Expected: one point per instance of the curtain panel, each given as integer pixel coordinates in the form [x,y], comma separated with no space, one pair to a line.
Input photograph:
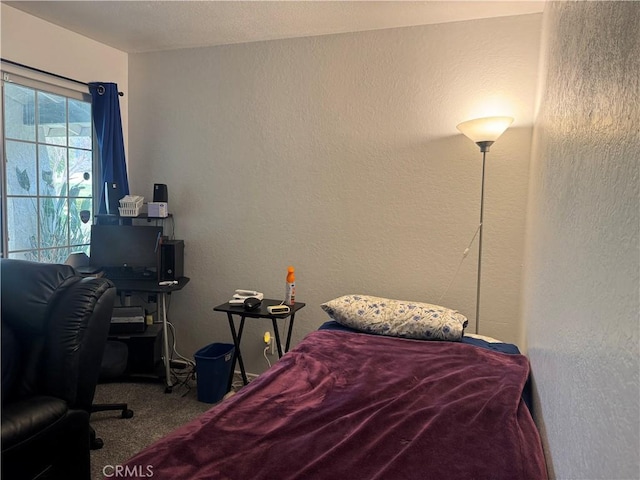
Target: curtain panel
[108,125]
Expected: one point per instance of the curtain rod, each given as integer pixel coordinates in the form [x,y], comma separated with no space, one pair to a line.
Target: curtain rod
[11,62]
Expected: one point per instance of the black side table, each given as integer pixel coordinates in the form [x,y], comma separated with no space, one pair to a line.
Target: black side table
[260,312]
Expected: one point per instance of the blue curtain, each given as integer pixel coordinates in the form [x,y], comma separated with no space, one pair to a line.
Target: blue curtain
[108,124]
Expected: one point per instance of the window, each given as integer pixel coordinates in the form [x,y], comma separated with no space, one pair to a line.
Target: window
[48,171]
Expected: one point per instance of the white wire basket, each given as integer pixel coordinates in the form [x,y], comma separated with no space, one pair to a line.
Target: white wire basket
[130,205]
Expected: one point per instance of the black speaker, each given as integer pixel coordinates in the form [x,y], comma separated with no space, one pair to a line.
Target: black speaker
[171,260]
[160,193]
[112,196]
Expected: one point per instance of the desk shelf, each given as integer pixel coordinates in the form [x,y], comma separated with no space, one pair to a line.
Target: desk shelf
[110,218]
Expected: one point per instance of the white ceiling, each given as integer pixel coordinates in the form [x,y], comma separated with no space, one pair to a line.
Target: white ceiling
[146,26]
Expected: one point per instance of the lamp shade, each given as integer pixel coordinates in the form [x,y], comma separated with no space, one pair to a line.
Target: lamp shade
[486,129]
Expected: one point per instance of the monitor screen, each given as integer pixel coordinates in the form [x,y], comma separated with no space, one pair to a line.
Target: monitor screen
[124,246]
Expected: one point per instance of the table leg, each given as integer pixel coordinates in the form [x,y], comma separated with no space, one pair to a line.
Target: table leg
[237,355]
[277,335]
[293,317]
[165,346]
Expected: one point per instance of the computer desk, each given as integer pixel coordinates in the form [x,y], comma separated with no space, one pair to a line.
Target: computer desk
[152,286]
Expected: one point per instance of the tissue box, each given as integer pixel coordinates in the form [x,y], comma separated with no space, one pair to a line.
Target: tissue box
[158,209]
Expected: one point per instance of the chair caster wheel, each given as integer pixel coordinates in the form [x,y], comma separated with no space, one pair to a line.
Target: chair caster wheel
[127,413]
[168,389]
[96,443]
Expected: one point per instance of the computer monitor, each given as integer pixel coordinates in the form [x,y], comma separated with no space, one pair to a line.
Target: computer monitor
[125,246]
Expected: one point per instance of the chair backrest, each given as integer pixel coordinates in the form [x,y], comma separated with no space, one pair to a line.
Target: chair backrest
[61,321]
[28,293]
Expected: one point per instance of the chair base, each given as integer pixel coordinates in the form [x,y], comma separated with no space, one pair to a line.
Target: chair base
[95,442]
[104,407]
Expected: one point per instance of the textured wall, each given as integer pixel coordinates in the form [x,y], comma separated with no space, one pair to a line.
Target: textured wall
[581,290]
[339,155]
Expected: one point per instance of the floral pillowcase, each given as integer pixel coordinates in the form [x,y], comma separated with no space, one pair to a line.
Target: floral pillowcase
[384,316]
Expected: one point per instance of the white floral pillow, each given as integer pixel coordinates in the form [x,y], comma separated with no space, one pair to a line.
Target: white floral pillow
[384,316]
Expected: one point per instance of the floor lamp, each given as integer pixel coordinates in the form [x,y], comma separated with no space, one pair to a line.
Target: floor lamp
[484,132]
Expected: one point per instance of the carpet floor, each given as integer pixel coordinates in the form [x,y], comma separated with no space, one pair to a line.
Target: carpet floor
[155,415]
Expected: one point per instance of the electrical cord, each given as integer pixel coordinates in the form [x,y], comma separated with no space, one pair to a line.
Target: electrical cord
[237,385]
[185,382]
[264,353]
[464,255]
[173,338]
[173,346]
[188,374]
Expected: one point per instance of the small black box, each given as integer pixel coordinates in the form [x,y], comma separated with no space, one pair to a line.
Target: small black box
[171,260]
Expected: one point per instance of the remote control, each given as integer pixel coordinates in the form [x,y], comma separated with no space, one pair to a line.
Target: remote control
[247,293]
[259,296]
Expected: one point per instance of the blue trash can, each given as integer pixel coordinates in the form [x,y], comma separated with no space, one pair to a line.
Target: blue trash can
[213,368]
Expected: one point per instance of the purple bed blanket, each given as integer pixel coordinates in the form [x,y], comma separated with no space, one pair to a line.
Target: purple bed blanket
[355,406]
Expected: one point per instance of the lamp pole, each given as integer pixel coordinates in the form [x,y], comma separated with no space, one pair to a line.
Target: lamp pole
[484,148]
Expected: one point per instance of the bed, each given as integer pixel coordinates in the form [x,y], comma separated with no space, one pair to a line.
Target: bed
[348,404]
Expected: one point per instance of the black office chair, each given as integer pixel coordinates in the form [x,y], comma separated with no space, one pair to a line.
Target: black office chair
[114,364]
[54,329]
[114,361]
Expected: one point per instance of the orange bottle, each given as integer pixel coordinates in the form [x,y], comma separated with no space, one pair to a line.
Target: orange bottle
[290,294]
